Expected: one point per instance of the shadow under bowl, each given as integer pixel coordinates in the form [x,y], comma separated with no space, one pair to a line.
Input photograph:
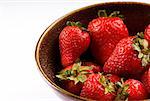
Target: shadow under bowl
[137,17]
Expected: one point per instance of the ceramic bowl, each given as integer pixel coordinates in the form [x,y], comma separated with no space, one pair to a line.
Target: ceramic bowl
[137,16]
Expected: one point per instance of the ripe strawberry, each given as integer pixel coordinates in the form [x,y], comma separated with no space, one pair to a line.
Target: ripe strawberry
[147,33]
[105,33]
[146,80]
[95,67]
[70,86]
[98,87]
[130,56]
[133,90]
[113,78]
[73,41]
[74,76]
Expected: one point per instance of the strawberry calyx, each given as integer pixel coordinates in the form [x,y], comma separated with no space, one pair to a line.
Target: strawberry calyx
[103,13]
[109,86]
[141,46]
[77,73]
[122,94]
[78,24]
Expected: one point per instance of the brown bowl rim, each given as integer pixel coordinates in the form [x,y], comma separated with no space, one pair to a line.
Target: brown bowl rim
[56,87]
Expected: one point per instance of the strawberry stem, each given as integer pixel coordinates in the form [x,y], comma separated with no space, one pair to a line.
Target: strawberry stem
[103,13]
[78,24]
[77,73]
[122,94]
[109,86]
[71,23]
[114,13]
[141,46]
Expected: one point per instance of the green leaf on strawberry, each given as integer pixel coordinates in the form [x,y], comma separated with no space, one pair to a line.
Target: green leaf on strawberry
[82,78]
[77,73]
[141,46]
[122,93]
[78,24]
[109,86]
[103,13]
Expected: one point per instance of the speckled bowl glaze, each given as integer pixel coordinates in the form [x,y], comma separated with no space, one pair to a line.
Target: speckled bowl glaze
[137,17]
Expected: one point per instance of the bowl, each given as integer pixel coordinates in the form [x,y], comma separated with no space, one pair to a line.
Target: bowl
[137,17]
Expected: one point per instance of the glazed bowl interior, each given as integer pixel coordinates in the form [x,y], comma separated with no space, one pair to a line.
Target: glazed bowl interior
[137,17]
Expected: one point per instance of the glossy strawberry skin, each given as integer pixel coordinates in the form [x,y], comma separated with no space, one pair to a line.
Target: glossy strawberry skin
[92,89]
[124,59]
[72,87]
[105,33]
[95,67]
[72,43]
[146,80]
[147,33]
[136,90]
[113,78]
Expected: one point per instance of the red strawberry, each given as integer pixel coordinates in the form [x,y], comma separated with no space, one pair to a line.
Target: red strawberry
[147,33]
[98,87]
[133,90]
[130,56]
[72,43]
[70,86]
[105,33]
[113,78]
[146,80]
[73,77]
[95,67]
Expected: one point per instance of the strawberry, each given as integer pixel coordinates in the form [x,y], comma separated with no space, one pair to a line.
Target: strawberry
[95,67]
[73,41]
[70,86]
[113,78]
[147,33]
[146,80]
[132,90]
[74,76]
[98,87]
[106,32]
[130,57]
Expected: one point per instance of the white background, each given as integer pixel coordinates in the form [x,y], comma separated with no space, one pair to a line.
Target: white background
[21,24]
